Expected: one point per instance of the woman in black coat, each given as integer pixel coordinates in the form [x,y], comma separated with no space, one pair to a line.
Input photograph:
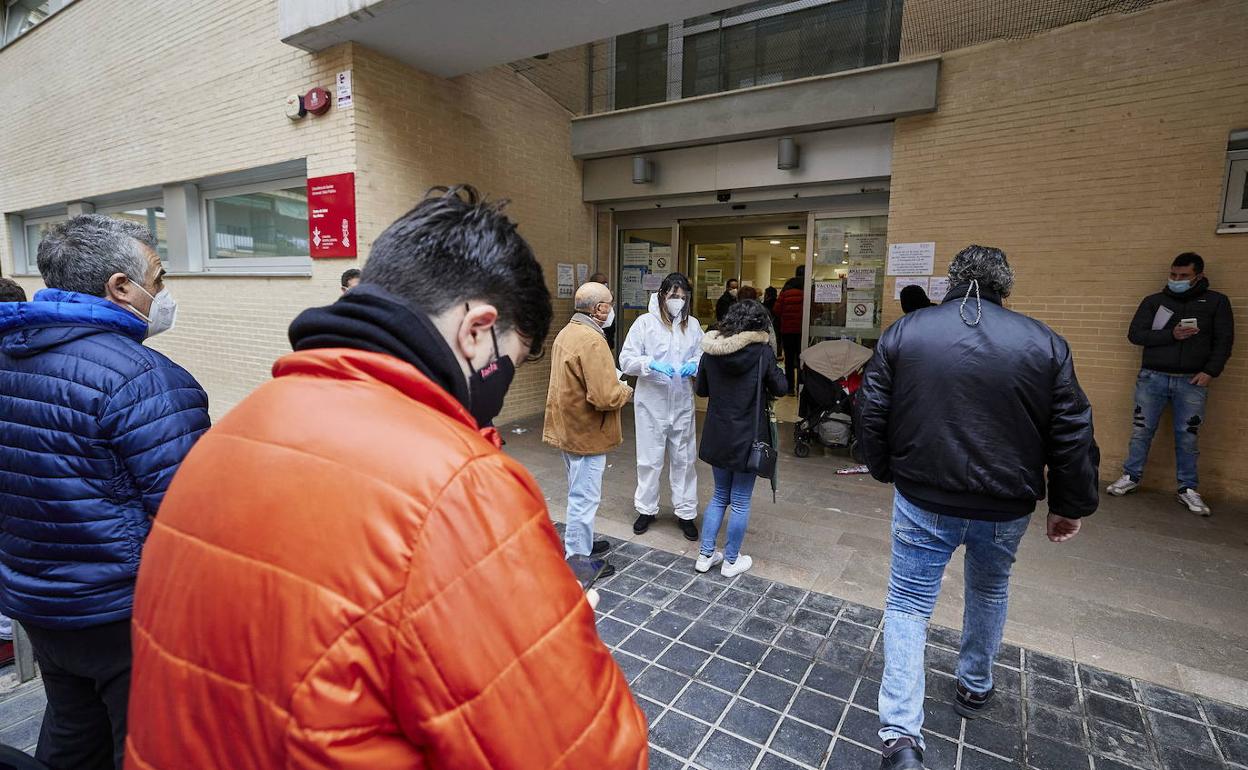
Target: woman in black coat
[734,359]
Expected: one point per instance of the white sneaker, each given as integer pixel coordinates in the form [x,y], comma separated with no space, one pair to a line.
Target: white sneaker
[742,563]
[1122,486]
[706,562]
[1191,498]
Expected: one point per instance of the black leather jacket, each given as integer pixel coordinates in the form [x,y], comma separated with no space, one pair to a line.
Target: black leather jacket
[965,418]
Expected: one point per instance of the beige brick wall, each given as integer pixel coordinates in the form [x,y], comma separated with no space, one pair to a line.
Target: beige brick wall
[111,95]
[1093,154]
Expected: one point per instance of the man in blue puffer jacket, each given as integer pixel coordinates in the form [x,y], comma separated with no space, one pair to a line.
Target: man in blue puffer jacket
[93,425]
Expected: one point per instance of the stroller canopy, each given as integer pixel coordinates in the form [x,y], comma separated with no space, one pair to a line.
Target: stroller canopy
[835,359]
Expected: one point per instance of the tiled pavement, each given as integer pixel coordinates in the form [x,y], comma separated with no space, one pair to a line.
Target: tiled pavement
[747,673]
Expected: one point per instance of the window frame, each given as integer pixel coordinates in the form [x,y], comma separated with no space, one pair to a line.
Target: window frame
[25,263]
[145,203]
[1233,217]
[300,265]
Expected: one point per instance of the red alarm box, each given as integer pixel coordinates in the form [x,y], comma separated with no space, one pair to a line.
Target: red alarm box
[316,101]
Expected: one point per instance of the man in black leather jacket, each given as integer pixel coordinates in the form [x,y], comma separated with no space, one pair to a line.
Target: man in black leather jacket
[962,407]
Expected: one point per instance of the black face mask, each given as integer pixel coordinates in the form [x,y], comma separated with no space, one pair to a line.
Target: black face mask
[487,387]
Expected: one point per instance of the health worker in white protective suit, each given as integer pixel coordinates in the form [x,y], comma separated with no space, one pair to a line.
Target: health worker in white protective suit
[662,351]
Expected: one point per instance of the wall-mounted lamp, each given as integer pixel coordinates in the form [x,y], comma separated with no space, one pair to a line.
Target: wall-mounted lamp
[643,170]
[788,155]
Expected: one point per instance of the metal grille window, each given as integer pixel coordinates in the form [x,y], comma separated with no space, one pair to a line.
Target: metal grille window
[641,67]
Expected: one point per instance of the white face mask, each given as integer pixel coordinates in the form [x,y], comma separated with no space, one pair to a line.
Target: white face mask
[161,315]
[610,318]
[675,306]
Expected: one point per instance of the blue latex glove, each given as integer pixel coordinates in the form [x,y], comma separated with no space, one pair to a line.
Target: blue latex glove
[689,370]
[662,367]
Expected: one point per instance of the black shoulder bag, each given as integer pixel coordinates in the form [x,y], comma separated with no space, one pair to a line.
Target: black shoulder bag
[762,460]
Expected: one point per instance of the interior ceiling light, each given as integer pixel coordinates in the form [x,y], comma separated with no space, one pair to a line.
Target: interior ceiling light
[775,243]
[794,248]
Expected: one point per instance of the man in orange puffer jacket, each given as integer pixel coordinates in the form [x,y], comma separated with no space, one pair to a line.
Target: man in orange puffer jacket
[348,573]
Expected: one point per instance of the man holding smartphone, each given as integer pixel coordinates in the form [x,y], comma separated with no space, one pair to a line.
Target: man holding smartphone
[1186,331]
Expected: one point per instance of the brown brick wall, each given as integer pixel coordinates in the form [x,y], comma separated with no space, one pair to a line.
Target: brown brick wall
[1093,154]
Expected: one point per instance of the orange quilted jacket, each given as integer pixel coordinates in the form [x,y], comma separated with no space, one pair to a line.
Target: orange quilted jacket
[345,573]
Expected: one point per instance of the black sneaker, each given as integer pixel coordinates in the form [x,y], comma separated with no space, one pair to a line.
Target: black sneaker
[902,754]
[642,524]
[600,547]
[689,528]
[607,571]
[971,704]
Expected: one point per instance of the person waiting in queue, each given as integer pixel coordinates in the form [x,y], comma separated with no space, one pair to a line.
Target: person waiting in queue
[662,351]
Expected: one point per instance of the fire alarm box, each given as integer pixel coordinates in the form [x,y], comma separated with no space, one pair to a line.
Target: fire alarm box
[316,101]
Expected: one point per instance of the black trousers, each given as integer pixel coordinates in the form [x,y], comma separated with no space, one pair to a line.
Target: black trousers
[792,344]
[86,675]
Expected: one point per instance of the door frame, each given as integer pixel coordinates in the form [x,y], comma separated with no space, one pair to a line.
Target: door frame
[808,284]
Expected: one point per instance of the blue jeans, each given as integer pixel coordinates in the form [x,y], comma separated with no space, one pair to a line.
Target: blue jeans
[923,542]
[1153,391]
[584,495]
[735,489]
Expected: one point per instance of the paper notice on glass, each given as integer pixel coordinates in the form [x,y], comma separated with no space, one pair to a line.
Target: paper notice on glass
[861,315]
[1163,316]
[632,295]
[831,246]
[713,290]
[828,291]
[652,281]
[861,278]
[904,282]
[661,259]
[865,247]
[714,275]
[582,274]
[911,258]
[937,288]
[635,255]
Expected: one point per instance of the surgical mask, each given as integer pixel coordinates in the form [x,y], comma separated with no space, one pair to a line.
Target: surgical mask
[732,292]
[610,318]
[1178,287]
[487,387]
[675,306]
[161,315]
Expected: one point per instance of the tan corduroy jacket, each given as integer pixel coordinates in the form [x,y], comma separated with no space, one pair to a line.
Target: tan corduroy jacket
[584,400]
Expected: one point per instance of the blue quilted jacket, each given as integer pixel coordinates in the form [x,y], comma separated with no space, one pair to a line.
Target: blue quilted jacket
[93,426]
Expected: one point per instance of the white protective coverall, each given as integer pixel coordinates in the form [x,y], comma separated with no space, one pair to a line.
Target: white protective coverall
[663,407]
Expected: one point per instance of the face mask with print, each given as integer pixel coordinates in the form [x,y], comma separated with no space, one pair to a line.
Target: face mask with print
[487,387]
[161,315]
[675,306]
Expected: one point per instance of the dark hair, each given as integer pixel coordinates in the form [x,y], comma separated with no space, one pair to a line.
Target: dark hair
[913,297]
[747,315]
[770,293]
[599,278]
[747,292]
[11,291]
[730,281]
[985,264]
[348,274]
[1190,258]
[675,281]
[454,247]
[800,272]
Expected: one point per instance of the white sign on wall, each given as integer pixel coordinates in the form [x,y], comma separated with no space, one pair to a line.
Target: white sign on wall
[582,274]
[828,292]
[564,275]
[937,288]
[902,283]
[343,87]
[911,258]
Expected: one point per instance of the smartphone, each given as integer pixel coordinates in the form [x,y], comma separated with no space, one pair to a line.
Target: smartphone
[1188,323]
[587,569]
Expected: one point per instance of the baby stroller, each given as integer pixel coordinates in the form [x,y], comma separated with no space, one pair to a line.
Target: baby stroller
[831,375]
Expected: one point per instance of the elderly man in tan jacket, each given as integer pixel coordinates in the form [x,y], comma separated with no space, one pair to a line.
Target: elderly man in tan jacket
[583,407]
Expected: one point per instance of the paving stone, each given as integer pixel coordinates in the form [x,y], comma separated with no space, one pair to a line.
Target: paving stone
[625,584]
[867,616]
[938,717]
[845,657]
[801,742]
[688,606]
[678,734]
[703,589]
[23,733]
[945,637]
[761,629]
[608,600]
[645,644]
[1174,758]
[635,550]
[831,681]
[1044,754]
[723,752]
[1061,726]
[847,756]
[945,661]
[1119,712]
[743,649]
[861,726]
[1173,731]
[874,669]
[829,605]
[1226,716]
[723,617]
[773,609]
[612,631]
[788,594]
[668,624]
[683,659]
[704,636]
[633,611]
[1234,746]
[1122,745]
[853,633]
[975,760]
[1163,698]
[738,600]
[753,584]
[643,571]
[1010,655]
[769,691]
[652,594]
[1050,666]
[785,664]
[659,684]
[1006,679]
[812,622]
[777,762]
[750,721]
[1106,682]
[1105,763]
[705,703]
[629,664]
[651,709]
[674,579]
[660,557]
[801,642]
[724,674]
[819,710]
[995,737]
[662,761]
[1055,695]
[940,754]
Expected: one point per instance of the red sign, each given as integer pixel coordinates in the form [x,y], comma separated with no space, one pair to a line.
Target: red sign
[331,215]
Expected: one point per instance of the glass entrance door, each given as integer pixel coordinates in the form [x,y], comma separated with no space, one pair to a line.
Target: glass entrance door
[713,264]
[846,280]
